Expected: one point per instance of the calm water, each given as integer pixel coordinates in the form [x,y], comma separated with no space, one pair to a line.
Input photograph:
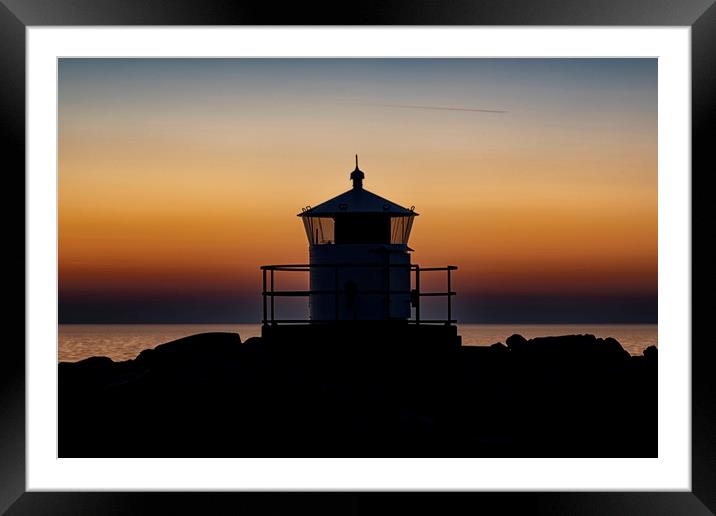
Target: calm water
[125,341]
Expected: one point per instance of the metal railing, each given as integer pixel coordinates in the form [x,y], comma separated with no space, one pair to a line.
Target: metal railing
[269,292]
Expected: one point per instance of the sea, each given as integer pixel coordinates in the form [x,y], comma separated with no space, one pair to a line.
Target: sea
[125,341]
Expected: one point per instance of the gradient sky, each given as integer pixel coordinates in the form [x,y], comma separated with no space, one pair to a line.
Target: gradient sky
[179,177]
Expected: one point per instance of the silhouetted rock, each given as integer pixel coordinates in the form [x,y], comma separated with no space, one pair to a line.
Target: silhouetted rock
[211,395]
[572,347]
[516,342]
[651,353]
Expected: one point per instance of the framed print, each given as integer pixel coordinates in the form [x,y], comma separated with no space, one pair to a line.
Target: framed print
[473,302]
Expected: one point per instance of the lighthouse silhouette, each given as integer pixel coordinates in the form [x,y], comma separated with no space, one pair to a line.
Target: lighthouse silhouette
[365,237]
[360,272]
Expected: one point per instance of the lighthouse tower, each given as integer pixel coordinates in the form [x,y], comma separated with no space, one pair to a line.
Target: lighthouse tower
[362,284]
[359,257]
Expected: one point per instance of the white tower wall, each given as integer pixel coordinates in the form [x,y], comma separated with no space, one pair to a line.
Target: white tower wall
[357,303]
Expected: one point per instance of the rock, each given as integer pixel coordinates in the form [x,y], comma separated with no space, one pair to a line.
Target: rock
[612,346]
[91,363]
[209,395]
[569,348]
[516,342]
[651,354]
[89,370]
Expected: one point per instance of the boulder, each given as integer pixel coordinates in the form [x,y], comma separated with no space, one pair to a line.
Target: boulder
[516,342]
[651,354]
[499,347]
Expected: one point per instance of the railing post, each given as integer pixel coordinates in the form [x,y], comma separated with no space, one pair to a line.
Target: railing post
[387,286]
[272,299]
[335,288]
[263,295]
[449,296]
[417,296]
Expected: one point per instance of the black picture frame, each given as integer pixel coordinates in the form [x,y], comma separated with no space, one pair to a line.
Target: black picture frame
[17,15]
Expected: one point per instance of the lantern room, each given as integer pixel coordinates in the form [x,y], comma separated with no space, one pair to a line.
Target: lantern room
[358,217]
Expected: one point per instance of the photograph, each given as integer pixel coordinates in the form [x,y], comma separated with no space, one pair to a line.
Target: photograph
[357,257]
[406,256]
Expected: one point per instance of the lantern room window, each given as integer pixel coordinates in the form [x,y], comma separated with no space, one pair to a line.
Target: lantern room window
[400,229]
[358,228]
[320,230]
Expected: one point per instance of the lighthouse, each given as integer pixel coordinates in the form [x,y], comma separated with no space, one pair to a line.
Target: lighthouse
[360,275]
[358,244]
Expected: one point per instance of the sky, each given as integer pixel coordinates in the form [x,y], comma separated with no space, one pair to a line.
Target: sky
[178,178]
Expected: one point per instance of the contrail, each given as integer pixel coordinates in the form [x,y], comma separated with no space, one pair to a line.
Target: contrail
[441,108]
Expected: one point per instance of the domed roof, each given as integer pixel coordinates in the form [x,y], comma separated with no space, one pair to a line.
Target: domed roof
[357,200]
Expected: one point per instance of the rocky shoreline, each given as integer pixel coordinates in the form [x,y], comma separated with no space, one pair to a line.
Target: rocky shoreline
[212,395]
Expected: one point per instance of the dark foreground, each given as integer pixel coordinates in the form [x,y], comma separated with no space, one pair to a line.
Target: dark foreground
[210,395]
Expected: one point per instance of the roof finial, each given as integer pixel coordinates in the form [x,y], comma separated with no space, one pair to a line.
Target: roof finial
[357,176]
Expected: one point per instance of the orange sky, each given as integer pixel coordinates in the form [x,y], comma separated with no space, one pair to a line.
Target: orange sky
[178,178]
